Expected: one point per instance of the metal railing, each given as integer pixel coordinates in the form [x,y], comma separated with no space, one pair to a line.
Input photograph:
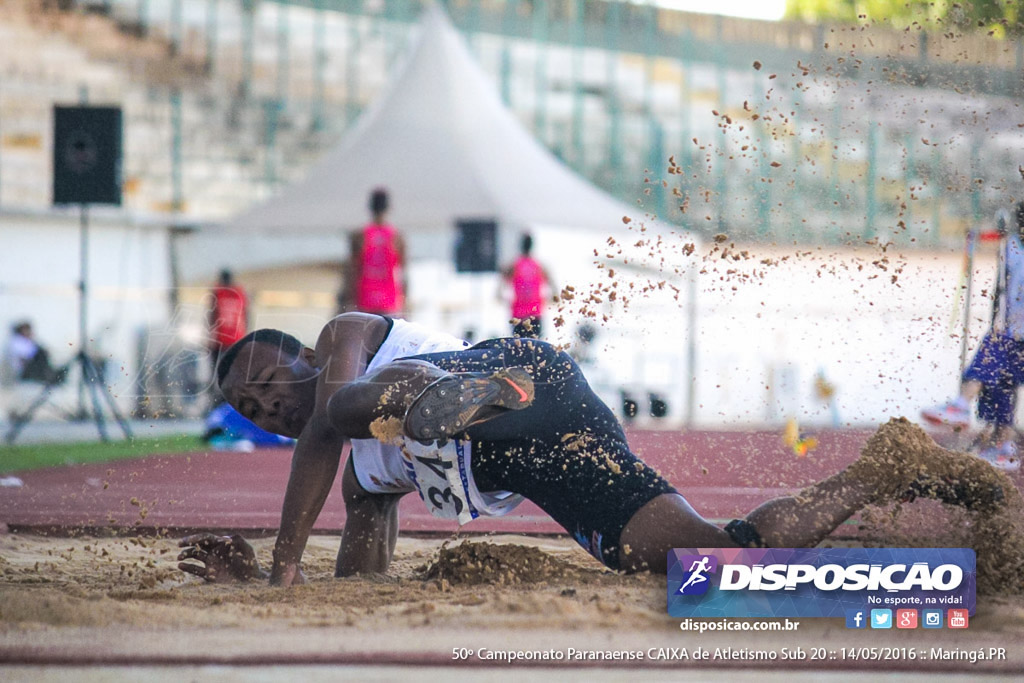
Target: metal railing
[821,153]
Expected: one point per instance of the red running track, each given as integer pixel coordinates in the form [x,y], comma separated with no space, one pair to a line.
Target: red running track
[723,474]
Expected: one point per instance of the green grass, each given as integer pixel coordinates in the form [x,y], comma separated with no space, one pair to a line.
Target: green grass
[34,456]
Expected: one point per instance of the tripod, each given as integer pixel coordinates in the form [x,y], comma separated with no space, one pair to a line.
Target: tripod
[91,381]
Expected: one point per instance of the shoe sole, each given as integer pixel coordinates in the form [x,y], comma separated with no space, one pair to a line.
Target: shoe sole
[456,402]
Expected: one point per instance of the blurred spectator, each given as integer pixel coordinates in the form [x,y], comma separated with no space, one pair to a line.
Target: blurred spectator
[528,280]
[378,263]
[25,360]
[998,366]
[228,316]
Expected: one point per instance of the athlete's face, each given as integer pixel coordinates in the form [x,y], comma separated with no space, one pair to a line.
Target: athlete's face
[274,389]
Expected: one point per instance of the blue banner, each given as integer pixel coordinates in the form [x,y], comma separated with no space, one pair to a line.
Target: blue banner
[818,582]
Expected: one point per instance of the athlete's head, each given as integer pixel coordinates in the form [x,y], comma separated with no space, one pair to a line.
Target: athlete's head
[269,377]
[379,201]
[526,244]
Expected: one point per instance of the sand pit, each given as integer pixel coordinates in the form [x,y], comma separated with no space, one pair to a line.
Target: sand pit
[134,582]
[120,600]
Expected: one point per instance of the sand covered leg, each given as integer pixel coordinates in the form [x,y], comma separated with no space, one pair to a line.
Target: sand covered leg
[901,460]
[898,462]
[993,511]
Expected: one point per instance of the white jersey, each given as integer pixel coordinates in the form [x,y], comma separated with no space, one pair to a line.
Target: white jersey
[442,476]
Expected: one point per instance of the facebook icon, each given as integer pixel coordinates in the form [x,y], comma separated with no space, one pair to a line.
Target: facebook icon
[855,618]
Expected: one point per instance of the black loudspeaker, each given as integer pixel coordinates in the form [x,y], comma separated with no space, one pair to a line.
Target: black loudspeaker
[86,155]
[659,406]
[476,246]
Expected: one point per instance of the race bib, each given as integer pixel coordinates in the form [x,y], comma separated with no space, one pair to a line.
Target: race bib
[435,471]
[445,484]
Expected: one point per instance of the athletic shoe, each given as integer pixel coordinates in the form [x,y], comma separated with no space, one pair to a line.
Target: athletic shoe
[458,401]
[952,414]
[1003,457]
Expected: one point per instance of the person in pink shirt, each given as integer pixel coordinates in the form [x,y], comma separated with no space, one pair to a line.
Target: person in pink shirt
[529,281]
[228,314]
[378,262]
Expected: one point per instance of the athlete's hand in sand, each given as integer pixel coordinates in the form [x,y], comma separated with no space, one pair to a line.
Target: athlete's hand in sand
[225,558]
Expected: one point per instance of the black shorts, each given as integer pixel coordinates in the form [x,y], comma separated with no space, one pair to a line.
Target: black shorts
[566,452]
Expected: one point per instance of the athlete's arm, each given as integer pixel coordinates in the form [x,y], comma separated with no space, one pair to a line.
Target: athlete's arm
[371,528]
[341,353]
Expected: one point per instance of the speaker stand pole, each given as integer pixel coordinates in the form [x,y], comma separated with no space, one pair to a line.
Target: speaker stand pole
[91,380]
[83,299]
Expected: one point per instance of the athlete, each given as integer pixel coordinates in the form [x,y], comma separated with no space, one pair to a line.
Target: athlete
[528,280]
[378,262]
[228,314]
[997,370]
[474,430]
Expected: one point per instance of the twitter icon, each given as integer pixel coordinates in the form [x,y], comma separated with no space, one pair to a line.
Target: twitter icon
[881,618]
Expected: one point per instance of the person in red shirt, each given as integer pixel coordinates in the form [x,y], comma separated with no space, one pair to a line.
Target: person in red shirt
[378,263]
[528,280]
[228,316]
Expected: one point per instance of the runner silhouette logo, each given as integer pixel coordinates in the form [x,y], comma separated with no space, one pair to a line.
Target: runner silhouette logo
[698,573]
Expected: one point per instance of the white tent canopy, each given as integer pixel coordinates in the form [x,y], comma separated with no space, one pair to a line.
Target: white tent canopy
[444,145]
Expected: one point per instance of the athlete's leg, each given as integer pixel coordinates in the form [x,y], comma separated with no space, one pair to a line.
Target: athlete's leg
[988,374]
[796,521]
[998,403]
[804,520]
[897,458]
[666,522]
